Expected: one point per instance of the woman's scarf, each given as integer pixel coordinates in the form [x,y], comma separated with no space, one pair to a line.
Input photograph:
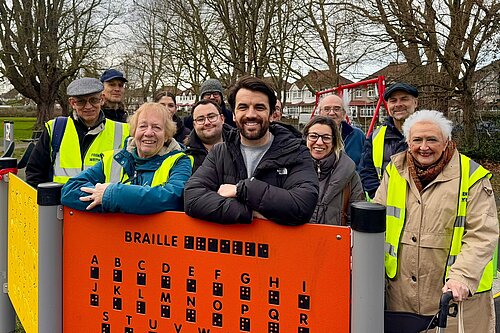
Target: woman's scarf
[423,175]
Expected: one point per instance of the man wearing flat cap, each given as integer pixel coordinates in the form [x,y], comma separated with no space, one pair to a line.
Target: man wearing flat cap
[388,139]
[113,95]
[69,145]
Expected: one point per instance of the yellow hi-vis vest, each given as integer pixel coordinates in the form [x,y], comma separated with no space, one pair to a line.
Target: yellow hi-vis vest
[470,173]
[378,139]
[114,173]
[68,161]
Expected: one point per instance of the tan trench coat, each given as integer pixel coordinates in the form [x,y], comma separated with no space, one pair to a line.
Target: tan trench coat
[425,244]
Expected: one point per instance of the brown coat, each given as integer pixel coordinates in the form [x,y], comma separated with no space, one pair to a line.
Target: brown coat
[426,239]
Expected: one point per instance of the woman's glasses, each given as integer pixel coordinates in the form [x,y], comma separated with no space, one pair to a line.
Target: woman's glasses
[313,137]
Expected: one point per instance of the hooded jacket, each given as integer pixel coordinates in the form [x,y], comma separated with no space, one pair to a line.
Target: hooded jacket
[135,196]
[283,188]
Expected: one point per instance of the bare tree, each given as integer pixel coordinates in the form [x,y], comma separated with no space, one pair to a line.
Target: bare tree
[333,40]
[45,42]
[147,64]
[285,42]
[233,36]
[443,42]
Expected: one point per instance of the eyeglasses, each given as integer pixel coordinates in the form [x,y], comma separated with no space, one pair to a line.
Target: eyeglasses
[210,94]
[328,109]
[211,117]
[81,102]
[313,137]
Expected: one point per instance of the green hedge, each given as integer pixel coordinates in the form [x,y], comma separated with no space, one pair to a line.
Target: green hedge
[488,140]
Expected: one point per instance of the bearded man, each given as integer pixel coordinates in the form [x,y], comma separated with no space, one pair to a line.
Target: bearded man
[209,129]
[261,170]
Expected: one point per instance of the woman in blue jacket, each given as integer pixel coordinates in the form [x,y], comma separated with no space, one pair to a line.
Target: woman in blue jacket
[145,177]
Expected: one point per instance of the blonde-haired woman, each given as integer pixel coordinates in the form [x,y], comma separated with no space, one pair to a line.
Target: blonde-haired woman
[339,184]
[145,177]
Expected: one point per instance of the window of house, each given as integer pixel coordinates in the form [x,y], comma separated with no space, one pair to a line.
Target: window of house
[358,93]
[353,111]
[293,110]
[371,91]
[296,94]
[307,109]
[367,111]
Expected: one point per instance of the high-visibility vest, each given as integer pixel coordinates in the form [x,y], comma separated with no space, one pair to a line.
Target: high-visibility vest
[114,173]
[470,173]
[378,141]
[68,161]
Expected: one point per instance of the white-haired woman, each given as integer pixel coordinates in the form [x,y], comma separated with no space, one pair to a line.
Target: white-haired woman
[146,177]
[339,183]
[442,226]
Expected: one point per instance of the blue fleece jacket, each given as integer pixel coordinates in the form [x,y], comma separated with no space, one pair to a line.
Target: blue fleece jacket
[136,196]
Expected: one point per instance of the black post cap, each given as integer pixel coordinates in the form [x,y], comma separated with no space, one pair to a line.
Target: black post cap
[49,194]
[367,217]
[8,163]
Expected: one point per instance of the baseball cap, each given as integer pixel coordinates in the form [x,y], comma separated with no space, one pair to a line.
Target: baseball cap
[110,74]
[84,86]
[400,86]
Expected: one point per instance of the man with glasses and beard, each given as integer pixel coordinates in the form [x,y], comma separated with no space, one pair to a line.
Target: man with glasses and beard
[209,129]
[261,170]
[69,145]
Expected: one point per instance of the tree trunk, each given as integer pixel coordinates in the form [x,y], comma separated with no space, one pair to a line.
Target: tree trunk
[470,138]
[45,112]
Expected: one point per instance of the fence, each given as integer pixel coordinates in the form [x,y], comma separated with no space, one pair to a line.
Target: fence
[172,273]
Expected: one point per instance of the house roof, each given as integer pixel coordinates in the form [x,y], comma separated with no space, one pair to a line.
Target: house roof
[269,80]
[188,91]
[11,94]
[491,68]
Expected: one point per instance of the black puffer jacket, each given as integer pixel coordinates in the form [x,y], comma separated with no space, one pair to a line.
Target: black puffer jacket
[394,142]
[283,188]
[196,149]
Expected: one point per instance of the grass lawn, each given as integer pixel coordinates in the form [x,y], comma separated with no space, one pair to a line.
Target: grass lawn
[23,127]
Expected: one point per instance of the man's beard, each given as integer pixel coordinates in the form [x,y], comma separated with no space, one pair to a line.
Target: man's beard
[254,135]
[211,138]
